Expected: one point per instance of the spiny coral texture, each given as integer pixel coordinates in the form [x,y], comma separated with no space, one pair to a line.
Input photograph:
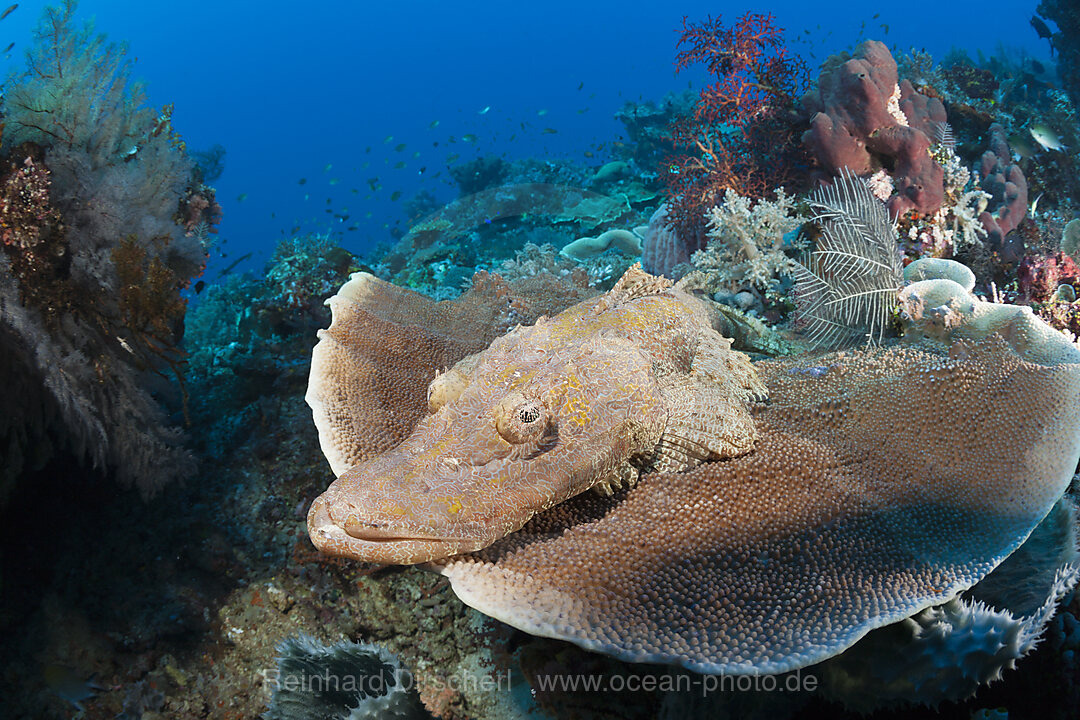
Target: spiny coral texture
[636,378]
[883,482]
[747,242]
[346,680]
[846,288]
[863,119]
[90,310]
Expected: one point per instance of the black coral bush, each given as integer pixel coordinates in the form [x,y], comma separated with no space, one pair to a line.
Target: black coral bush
[91,314]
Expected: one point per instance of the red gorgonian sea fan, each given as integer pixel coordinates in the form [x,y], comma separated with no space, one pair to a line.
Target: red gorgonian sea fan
[744,133]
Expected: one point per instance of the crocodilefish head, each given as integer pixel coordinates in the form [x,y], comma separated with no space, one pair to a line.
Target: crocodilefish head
[511,432]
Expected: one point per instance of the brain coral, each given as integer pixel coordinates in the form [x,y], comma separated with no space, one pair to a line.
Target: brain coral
[883,482]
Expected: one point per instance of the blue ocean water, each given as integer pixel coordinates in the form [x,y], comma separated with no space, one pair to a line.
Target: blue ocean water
[323,93]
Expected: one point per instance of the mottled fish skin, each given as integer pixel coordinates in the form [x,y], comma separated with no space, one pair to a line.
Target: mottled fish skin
[636,378]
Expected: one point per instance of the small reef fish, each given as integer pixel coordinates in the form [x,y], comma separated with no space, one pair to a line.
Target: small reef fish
[541,113]
[399,164]
[327,168]
[334,181]
[9,48]
[549,131]
[241,197]
[233,264]
[469,138]
[434,124]
[62,681]
[1033,210]
[302,181]
[399,147]
[1041,28]
[1021,145]
[388,139]
[395,195]
[1046,137]
[11,9]
[484,111]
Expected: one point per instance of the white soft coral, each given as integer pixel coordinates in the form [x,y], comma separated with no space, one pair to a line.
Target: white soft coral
[747,242]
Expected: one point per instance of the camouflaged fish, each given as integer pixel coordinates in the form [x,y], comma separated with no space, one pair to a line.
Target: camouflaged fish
[635,379]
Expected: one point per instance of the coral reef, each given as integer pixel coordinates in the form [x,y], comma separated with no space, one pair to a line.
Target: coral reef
[244,336]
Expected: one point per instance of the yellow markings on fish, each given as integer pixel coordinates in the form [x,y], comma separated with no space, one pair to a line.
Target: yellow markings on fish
[454,506]
[578,411]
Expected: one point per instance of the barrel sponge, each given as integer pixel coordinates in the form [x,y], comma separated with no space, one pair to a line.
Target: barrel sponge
[855,511]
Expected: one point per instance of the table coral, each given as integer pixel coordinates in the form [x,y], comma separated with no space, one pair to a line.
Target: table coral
[837,527]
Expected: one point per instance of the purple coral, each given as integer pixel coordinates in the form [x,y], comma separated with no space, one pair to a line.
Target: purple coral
[1005,182]
[864,119]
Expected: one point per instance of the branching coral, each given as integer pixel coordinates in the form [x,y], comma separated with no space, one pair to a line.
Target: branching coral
[742,135]
[747,242]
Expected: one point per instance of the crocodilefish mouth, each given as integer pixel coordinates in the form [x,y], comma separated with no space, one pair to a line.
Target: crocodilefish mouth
[356,538]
